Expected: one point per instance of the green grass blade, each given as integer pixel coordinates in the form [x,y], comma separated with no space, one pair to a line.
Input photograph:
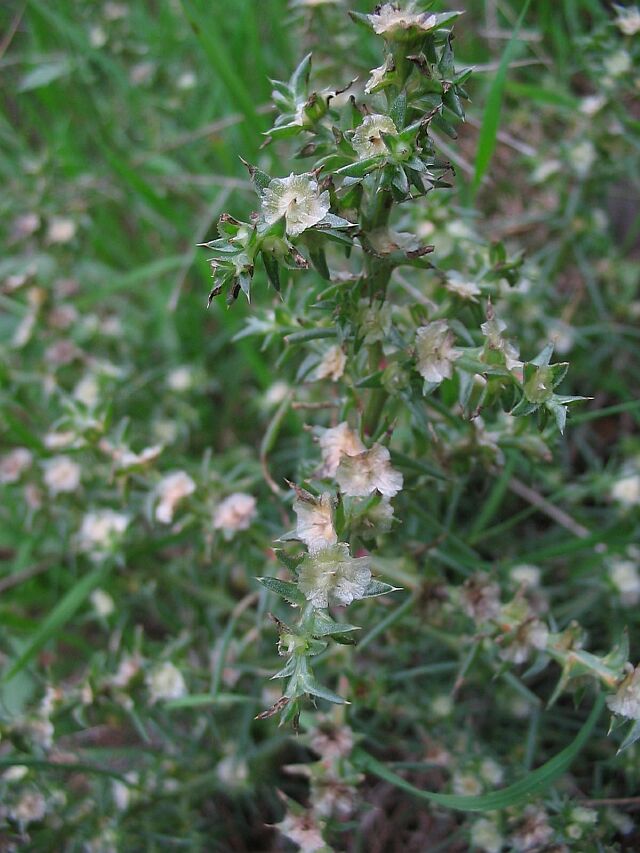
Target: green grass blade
[56,619]
[519,792]
[491,116]
[223,65]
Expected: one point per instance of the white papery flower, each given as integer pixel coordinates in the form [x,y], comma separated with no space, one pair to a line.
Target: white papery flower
[389,20]
[61,230]
[30,808]
[100,530]
[626,700]
[435,351]
[180,378]
[618,63]
[480,598]
[298,200]
[87,391]
[626,490]
[170,491]
[625,577]
[61,475]
[126,459]
[378,74]
[592,104]
[304,831]
[165,681]
[337,442]
[333,576]
[371,470]
[462,288]
[533,832]
[367,139]
[332,364]
[525,575]
[628,19]
[486,836]
[493,328]
[102,602]
[235,513]
[582,157]
[532,634]
[13,465]
[315,520]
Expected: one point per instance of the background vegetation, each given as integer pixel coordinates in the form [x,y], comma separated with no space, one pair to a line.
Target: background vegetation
[120,135]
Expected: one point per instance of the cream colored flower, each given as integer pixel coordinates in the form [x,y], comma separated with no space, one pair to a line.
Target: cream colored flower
[626,700]
[618,63]
[389,20]
[367,138]
[100,530]
[493,328]
[30,808]
[315,520]
[170,491]
[628,19]
[525,575]
[235,513]
[625,577]
[532,634]
[304,831]
[378,74]
[582,156]
[298,200]
[337,442]
[87,391]
[14,464]
[626,490]
[480,598]
[165,681]
[486,836]
[533,832]
[61,230]
[332,364]
[333,576]
[435,351]
[125,459]
[592,104]
[180,378]
[59,440]
[61,475]
[102,602]
[462,288]
[368,471]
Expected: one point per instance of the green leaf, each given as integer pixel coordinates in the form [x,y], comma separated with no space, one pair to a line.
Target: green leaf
[398,110]
[44,74]
[56,619]
[311,686]
[633,735]
[259,179]
[300,77]
[361,167]
[325,626]
[376,588]
[199,700]
[520,792]
[285,589]
[272,269]
[491,116]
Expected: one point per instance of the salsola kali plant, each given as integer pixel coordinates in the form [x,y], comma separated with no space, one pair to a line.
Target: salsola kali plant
[421,381]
